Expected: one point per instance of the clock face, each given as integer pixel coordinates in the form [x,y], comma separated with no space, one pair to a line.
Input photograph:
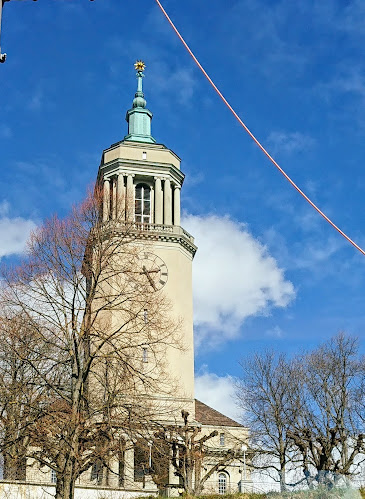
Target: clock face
[154,270]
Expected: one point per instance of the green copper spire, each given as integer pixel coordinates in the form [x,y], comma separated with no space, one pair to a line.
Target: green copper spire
[139,117]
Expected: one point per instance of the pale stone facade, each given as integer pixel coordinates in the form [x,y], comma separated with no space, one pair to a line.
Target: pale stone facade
[124,167]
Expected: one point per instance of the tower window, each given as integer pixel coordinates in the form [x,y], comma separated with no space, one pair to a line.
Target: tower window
[145,354]
[143,204]
[144,155]
[140,461]
[53,476]
[222,483]
[97,472]
[145,316]
[221,440]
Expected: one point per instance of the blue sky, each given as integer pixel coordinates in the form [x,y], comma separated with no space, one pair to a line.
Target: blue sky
[294,71]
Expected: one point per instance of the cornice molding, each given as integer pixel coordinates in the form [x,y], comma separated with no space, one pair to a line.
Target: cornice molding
[142,169]
[141,145]
[154,232]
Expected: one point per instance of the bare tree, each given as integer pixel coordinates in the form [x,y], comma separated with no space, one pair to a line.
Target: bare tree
[193,460]
[20,393]
[94,311]
[307,413]
[263,393]
[329,430]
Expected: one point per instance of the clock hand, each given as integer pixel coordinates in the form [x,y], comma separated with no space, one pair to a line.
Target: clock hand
[146,272]
[149,271]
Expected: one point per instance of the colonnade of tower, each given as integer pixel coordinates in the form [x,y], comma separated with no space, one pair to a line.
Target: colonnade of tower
[119,198]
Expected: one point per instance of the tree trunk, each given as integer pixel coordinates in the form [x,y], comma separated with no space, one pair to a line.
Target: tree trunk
[282,479]
[189,481]
[65,486]
[198,488]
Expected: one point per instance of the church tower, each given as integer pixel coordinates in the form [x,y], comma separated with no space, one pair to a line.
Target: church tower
[141,180]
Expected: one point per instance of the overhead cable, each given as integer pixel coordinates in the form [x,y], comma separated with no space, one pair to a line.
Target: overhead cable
[257,142]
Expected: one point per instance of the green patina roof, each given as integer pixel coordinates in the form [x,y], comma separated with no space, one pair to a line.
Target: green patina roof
[139,117]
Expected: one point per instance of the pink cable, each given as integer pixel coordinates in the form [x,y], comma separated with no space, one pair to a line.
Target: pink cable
[253,137]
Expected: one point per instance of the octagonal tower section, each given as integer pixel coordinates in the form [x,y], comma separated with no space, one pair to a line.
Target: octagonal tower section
[141,183]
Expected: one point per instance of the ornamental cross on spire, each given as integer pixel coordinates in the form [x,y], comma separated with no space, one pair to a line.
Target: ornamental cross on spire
[139,117]
[139,66]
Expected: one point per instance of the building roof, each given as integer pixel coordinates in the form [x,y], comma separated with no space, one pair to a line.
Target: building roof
[208,416]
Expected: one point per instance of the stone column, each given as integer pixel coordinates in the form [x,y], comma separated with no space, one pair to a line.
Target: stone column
[130,199]
[167,205]
[152,217]
[173,479]
[176,204]
[114,187]
[106,200]
[129,466]
[121,197]
[113,479]
[158,201]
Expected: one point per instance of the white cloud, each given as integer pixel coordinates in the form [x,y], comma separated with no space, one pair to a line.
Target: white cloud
[36,100]
[347,81]
[317,253]
[5,131]
[260,24]
[234,278]
[352,18]
[288,143]
[170,79]
[352,82]
[217,392]
[178,84]
[14,232]
[4,208]
[313,254]
[275,332]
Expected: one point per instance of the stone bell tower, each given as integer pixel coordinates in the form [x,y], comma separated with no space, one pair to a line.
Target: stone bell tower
[142,179]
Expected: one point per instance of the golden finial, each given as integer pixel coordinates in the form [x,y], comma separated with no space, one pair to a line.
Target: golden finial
[139,65]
